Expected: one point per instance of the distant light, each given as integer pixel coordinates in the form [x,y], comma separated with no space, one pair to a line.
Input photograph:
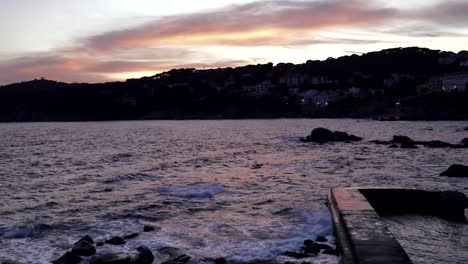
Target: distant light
[397,103]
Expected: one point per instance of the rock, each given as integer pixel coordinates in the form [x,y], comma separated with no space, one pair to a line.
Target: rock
[308,242]
[402,139]
[87,239]
[171,251]
[323,135]
[9,262]
[393,146]
[116,241]
[321,239]
[84,248]
[113,258]
[133,235]
[464,142]
[148,228]
[99,244]
[144,256]
[330,251]
[408,146]
[179,260]
[256,166]
[68,258]
[323,246]
[437,144]
[296,255]
[313,249]
[343,136]
[220,261]
[456,170]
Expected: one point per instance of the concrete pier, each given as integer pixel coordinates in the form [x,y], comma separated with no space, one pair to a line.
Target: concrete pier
[362,236]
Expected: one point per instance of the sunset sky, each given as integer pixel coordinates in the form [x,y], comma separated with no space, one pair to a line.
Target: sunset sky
[104,40]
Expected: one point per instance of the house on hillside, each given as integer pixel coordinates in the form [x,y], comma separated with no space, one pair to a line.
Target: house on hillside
[446,83]
[258,90]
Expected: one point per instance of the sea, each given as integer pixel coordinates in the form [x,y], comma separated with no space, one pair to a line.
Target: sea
[245,190]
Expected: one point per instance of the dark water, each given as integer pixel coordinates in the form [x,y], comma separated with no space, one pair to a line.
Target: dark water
[196,181]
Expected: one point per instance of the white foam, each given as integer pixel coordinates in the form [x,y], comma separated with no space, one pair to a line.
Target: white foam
[197,190]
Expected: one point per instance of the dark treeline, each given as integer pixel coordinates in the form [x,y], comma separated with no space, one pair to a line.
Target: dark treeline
[384,83]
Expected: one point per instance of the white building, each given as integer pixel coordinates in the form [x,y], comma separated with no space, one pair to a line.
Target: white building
[260,89]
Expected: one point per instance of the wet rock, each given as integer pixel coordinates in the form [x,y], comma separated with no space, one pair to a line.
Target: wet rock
[296,255]
[453,205]
[171,251]
[323,246]
[311,249]
[308,242]
[179,260]
[437,144]
[330,251]
[408,146]
[87,239]
[99,244]
[220,261]
[84,248]
[456,170]
[144,256]
[321,239]
[130,236]
[464,142]
[68,258]
[402,140]
[118,258]
[148,228]
[9,262]
[116,241]
[393,146]
[256,166]
[323,135]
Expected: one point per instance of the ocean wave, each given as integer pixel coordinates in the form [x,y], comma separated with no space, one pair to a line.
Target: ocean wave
[33,230]
[196,191]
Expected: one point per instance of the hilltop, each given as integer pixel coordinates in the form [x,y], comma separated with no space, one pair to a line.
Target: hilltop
[407,83]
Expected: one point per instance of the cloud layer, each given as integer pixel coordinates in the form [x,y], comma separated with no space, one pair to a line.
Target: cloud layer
[185,40]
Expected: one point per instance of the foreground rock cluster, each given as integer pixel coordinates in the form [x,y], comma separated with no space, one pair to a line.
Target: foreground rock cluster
[86,247]
[312,248]
[323,135]
[407,142]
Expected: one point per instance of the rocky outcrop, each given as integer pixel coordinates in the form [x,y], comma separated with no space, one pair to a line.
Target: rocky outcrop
[84,248]
[323,135]
[407,142]
[68,258]
[144,256]
[456,170]
[178,260]
[116,241]
[118,258]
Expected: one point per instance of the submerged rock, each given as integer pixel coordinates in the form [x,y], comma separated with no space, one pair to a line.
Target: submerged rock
[148,228]
[116,241]
[321,239]
[220,261]
[178,260]
[464,142]
[171,251]
[87,239]
[330,251]
[296,255]
[323,135]
[84,248]
[144,256]
[408,145]
[456,170]
[118,258]
[130,236]
[68,258]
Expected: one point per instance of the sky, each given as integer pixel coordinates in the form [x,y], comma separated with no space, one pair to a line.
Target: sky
[112,40]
